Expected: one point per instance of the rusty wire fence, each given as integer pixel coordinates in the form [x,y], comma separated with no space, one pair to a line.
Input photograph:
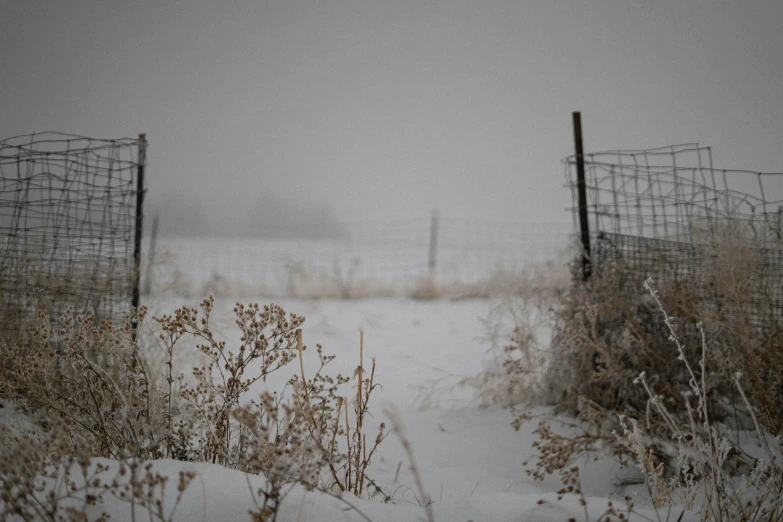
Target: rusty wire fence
[70,225]
[665,212]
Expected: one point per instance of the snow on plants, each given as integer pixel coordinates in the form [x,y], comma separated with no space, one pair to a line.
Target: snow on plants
[422,447]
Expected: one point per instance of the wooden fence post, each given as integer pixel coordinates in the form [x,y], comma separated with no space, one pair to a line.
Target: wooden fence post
[432,262]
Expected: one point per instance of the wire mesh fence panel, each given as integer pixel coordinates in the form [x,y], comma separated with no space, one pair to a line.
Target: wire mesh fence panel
[665,261]
[675,193]
[374,258]
[665,212]
[68,219]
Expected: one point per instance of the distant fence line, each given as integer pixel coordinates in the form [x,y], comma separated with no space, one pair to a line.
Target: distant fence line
[376,257]
[70,211]
[661,211]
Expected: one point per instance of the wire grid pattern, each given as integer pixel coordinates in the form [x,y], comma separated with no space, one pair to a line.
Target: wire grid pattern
[663,260]
[659,211]
[67,224]
[379,255]
[675,193]
[673,261]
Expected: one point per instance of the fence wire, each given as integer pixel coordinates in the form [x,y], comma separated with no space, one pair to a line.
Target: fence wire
[675,193]
[68,209]
[374,257]
[661,213]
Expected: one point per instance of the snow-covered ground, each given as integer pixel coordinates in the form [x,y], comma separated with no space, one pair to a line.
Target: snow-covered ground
[386,258]
[469,458]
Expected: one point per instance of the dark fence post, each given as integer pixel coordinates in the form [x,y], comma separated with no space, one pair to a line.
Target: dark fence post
[432,262]
[587,269]
[142,159]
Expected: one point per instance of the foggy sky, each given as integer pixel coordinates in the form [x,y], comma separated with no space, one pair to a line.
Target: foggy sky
[353,110]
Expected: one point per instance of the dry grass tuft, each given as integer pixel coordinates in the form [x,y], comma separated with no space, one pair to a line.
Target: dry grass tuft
[91,391]
[667,378]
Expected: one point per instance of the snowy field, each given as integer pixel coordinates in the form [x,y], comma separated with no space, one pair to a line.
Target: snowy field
[384,258]
[469,458]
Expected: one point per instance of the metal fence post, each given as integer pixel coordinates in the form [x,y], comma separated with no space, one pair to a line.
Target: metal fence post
[142,159]
[587,268]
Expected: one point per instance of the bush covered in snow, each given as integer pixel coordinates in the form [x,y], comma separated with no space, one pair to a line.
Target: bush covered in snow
[92,390]
[676,378]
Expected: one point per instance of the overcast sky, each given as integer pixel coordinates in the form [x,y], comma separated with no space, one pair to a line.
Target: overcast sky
[386,109]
